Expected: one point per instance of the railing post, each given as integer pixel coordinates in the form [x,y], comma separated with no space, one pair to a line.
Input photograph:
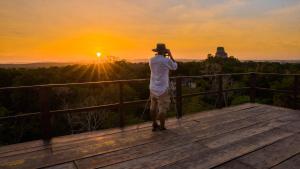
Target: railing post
[253,87]
[296,88]
[46,115]
[179,97]
[121,112]
[220,91]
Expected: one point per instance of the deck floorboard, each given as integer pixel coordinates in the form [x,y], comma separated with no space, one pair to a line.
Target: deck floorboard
[248,136]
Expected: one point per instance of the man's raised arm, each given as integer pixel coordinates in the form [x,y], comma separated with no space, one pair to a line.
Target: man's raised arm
[172,65]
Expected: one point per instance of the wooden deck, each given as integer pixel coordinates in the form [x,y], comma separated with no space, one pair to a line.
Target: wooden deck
[248,136]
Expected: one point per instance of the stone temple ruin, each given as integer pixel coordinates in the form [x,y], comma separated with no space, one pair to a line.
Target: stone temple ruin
[221,53]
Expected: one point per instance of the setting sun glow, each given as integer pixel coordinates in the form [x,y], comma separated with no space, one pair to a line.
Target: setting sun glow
[98,54]
[74,30]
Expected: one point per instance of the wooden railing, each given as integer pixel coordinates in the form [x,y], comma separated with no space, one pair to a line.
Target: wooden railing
[47,114]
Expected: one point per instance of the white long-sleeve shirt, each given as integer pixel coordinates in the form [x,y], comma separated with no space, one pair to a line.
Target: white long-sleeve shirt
[159,80]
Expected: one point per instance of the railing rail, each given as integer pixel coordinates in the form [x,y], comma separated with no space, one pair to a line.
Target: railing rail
[73,84]
[46,114]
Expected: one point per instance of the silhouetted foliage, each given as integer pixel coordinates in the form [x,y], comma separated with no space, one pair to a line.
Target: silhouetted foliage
[25,101]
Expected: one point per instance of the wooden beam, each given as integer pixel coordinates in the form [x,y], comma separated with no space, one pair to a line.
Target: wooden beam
[253,87]
[179,97]
[295,93]
[46,115]
[220,91]
[121,111]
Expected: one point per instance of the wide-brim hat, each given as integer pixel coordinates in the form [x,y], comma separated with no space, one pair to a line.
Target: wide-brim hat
[160,47]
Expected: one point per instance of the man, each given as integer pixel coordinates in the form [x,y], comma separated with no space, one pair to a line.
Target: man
[160,64]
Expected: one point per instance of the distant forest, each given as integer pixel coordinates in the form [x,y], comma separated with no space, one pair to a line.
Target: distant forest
[26,101]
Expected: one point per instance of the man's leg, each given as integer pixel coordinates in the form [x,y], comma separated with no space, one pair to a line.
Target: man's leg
[163,106]
[162,120]
[153,113]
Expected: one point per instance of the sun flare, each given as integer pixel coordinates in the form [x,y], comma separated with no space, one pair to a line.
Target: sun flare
[98,54]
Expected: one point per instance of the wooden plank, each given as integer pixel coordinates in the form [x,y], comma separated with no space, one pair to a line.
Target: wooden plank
[63,166]
[163,145]
[68,155]
[257,115]
[235,149]
[241,124]
[102,147]
[161,158]
[217,156]
[292,163]
[235,164]
[165,156]
[43,158]
[268,156]
[209,120]
[65,140]
[107,159]
[226,117]
[89,141]
[137,137]
[273,154]
[245,132]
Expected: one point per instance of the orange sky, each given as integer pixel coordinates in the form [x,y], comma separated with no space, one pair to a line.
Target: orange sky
[74,30]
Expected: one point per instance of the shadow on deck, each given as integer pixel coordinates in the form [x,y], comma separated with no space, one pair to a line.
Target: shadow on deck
[248,136]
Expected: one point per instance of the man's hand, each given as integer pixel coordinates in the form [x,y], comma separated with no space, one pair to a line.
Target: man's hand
[171,56]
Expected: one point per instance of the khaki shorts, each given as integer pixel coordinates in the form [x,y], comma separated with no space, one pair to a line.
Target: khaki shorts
[161,103]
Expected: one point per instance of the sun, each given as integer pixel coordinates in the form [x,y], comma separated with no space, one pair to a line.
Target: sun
[98,54]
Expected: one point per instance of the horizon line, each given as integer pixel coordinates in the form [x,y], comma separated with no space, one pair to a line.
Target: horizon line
[131,60]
